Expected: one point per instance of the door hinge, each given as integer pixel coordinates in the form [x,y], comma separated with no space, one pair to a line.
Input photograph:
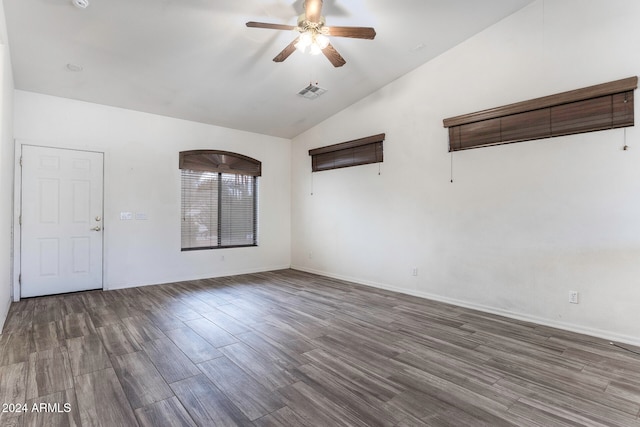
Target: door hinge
[20,160]
[20,220]
[20,279]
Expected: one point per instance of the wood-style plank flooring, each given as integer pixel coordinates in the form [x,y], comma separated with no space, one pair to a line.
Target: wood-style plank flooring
[288,348]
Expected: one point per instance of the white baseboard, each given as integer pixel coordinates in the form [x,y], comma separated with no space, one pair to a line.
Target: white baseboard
[4,312]
[188,278]
[607,335]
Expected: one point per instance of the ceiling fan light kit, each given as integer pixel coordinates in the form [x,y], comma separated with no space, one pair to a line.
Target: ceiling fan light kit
[314,34]
[313,40]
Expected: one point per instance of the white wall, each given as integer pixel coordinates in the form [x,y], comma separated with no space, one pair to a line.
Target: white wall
[6,170]
[522,224]
[142,175]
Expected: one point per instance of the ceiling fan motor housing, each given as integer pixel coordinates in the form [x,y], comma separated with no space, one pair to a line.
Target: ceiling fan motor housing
[305,24]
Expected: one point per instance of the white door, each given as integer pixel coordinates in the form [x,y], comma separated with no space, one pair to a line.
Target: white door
[61,240]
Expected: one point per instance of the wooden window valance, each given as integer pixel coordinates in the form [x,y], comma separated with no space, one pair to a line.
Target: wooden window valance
[604,106]
[351,153]
[219,162]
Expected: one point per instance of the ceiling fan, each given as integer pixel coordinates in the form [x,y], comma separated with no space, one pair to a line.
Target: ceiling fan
[313,34]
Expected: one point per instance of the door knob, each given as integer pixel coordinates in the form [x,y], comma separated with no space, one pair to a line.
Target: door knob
[96,228]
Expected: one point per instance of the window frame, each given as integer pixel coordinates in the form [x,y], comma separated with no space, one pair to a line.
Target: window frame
[194,165]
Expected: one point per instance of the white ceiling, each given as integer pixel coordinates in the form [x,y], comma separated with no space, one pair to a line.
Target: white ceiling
[196,59]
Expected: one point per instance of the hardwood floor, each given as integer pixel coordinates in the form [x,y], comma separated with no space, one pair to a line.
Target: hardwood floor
[288,348]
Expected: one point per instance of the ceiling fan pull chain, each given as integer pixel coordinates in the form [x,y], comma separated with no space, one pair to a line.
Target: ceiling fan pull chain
[452,167]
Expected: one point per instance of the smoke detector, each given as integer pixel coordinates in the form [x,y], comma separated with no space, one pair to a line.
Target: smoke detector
[80,4]
[74,68]
[312,91]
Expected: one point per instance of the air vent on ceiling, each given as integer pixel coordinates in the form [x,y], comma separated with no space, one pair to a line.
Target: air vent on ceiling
[312,91]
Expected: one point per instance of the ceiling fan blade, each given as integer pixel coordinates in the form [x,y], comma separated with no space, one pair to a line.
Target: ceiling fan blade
[270,26]
[313,10]
[287,51]
[333,56]
[354,32]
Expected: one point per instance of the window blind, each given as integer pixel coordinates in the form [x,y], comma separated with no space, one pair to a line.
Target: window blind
[351,153]
[219,209]
[238,203]
[599,107]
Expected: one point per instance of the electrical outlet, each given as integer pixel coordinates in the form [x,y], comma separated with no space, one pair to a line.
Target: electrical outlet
[573,297]
[414,272]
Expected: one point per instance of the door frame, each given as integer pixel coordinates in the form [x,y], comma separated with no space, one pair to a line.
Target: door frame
[17,209]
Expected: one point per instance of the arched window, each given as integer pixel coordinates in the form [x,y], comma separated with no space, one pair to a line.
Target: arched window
[219,199]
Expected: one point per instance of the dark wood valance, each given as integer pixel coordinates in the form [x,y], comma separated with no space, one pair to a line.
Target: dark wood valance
[219,162]
[599,107]
[351,153]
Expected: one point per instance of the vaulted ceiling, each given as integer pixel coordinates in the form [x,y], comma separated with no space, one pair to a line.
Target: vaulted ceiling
[196,59]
